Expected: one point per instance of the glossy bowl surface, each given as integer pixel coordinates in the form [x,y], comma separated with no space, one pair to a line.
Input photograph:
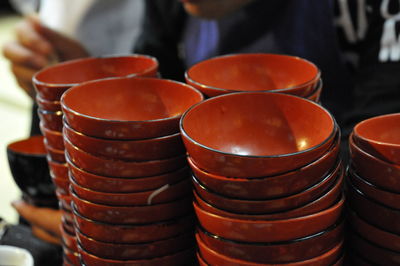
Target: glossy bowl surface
[268,231]
[372,211]
[141,108]
[373,169]
[138,150]
[211,257]
[29,167]
[130,234]
[320,204]
[256,134]
[121,168]
[57,169]
[269,205]
[372,233]
[380,195]
[51,82]
[165,193]
[286,184]
[52,106]
[54,138]
[182,258]
[51,120]
[120,185]
[380,137]
[276,252]
[136,251]
[133,214]
[371,252]
[253,72]
[54,154]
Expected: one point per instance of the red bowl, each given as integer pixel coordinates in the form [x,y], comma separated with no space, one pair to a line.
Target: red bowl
[61,184]
[320,204]
[282,185]
[276,252]
[269,205]
[182,258]
[55,154]
[64,200]
[140,109]
[373,212]
[373,253]
[29,168]
[57,168]
[136,214]
[256,134]
[51,82]
[68,238]
[380,137]
[212,257]
[133,233]
[315,95]
[121,168]
[372,233]
[383,196]
[253,72]
[137,150]
[52,106]
[374,170]
[67,215]
[51,120]
[120,185]
[162,194]
[54,138]
[72,256]
[268,231]
[136,251]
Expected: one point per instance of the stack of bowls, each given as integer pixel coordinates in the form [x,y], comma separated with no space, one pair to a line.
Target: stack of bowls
[256,72]
[130,183]
[30,170]
[50,84]
[374,190]
[267,180]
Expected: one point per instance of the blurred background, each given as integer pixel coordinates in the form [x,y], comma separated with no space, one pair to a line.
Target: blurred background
[14,114]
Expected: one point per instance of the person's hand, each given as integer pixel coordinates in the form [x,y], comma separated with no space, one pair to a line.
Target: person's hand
[45,222]
[37,46]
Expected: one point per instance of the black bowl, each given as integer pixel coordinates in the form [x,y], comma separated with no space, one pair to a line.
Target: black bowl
[30,170]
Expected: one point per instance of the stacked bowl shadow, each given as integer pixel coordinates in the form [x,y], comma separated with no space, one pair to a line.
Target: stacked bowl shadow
[374,191]
[30,170]
[267,180]
[50,84]
[256,72]
[130,183]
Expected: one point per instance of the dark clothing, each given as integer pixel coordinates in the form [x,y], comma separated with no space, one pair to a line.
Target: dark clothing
[295,27]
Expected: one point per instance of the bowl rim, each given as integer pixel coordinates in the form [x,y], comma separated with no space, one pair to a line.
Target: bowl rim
[67,127]
[316,78]
[365,139]
[10,150]
[115,121]
[138,225]
[274,222]
[35,79]
[337,224]
[336,169]
[335,127]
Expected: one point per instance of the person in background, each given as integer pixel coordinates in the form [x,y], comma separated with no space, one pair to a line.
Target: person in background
[55,31]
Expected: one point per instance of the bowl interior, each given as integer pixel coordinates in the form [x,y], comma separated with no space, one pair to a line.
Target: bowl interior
[253,72]
[383,129]
[133,99]
[258,124]
[30,146]
[81,70]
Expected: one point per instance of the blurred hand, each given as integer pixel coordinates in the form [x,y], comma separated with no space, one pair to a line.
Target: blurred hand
[45,222]
[36,46]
